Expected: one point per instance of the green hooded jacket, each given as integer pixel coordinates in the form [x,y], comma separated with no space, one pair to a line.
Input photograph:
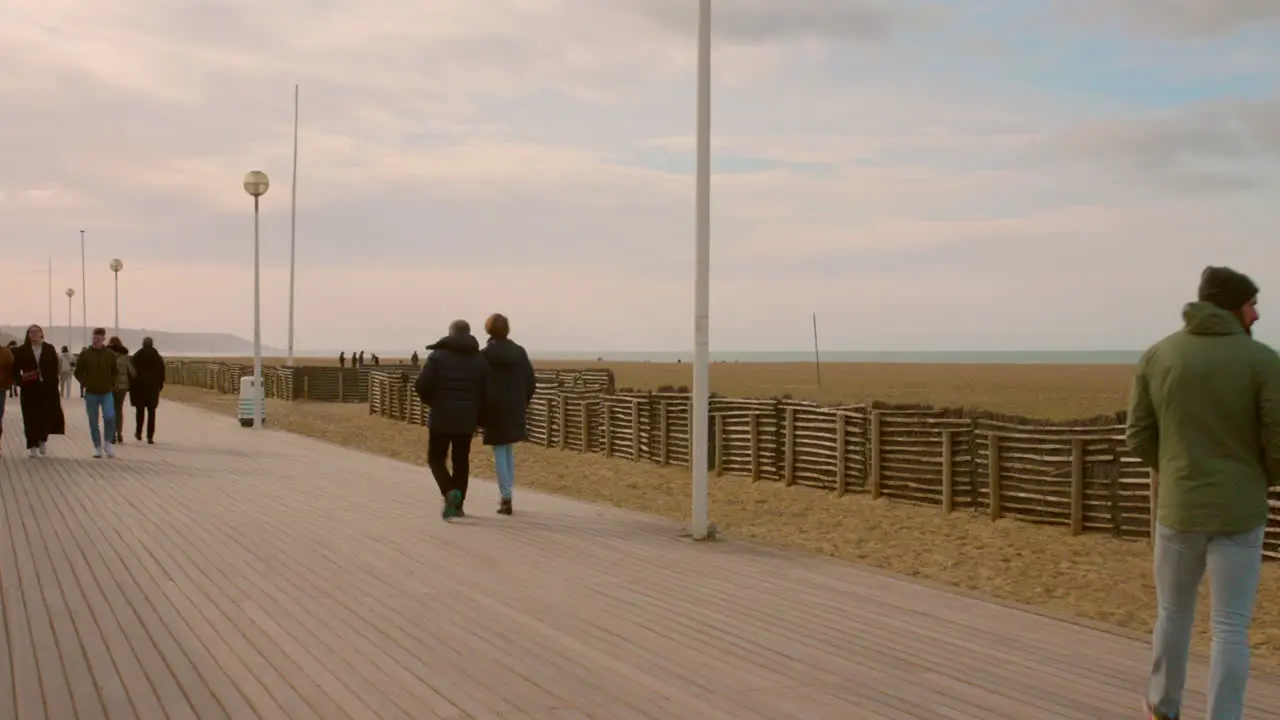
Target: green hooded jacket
[1205,414]
[96,370]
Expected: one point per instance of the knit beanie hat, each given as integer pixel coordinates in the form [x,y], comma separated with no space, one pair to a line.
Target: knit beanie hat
[1226,288]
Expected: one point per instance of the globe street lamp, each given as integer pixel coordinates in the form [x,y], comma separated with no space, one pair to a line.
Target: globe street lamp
[70,294]
[116,266]
[256,184]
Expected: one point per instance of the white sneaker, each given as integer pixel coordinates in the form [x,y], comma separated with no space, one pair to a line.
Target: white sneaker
[33,453]
[44,448]
[111,450]
[97,451]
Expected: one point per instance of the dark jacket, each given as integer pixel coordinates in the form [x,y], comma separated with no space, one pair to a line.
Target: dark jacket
[148,378]
[1205,414]
[96,370]
[41,403]
[453,384]
[511,386]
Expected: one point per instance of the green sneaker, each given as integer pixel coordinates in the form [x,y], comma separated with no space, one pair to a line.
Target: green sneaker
[451,501]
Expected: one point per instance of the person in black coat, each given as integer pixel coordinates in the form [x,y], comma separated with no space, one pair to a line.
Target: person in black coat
[453,385]
[511,387]
[35,368]
[144,392]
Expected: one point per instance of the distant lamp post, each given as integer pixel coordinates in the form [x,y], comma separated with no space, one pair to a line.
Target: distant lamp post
[70,294]
[257,184]
[116,266]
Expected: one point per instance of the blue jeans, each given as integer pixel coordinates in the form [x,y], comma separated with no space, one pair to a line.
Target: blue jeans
[504,463]
[106,404]
[1234,563]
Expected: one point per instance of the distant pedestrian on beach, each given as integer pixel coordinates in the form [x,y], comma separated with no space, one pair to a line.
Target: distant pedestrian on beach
[66,368]
[361,358]
[124,376]
[414,360]
[96,370]
[6,383]
[35,366]
[148,382]
[1205,414]
[453,384]
[511,387]
[342,359]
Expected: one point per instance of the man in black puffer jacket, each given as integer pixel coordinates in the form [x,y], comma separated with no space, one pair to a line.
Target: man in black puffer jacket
[453,384]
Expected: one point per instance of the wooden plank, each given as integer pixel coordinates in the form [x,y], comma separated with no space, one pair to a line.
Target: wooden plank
[948,472]
[873,455]
[841,454]
[789,455]
[1077,486]
[993,476]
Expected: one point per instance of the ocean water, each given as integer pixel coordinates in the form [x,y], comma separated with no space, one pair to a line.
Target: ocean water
[1011,357]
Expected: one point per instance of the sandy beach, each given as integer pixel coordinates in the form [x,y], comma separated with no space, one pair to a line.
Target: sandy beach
[1040,391]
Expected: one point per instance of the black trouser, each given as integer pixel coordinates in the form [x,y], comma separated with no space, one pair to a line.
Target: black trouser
[120,395]
[148,413]
[439,446]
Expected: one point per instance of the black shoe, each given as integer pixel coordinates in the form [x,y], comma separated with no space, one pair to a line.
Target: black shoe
[151,441]
[137,437]
[504,508]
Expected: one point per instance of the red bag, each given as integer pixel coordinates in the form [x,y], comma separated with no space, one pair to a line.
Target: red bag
[30,377]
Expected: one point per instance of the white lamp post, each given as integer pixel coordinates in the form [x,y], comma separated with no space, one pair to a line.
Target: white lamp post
[256,184]
[84,294]
[70,294]
[293,221]
[116,266]
[702,282]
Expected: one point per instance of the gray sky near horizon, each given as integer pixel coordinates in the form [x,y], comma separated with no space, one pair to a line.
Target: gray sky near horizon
[925,174]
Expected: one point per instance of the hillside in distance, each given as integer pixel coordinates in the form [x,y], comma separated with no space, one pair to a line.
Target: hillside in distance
[168,343]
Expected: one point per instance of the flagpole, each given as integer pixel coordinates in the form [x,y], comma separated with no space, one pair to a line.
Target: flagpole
[293,222]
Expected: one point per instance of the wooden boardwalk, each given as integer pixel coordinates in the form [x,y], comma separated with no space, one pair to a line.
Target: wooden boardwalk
[224,573]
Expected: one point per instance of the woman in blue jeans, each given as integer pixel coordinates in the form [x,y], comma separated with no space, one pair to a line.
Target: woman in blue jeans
[1205,416]
[511,387]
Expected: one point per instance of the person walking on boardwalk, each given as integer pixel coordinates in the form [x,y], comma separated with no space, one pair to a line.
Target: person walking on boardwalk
[13,389]
[453,384]
[1205,417]
[96,370]
[144,393]
[67,367]
[6,384]
[124,374]
[511,386]
[35,367]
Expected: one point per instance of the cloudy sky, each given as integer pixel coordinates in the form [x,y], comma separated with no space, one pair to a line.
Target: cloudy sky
[945,174]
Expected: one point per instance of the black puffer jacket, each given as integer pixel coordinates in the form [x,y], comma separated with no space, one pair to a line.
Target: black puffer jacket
[453,384]
[511,386]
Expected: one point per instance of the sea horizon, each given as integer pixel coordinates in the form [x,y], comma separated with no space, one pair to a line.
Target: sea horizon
[926,357]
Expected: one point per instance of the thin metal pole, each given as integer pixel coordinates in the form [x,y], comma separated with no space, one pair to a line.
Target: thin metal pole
[70,343]
[817,359]
[50,293]
[84,294]
[293,222]
[257,325]
[117,274]
[702,292]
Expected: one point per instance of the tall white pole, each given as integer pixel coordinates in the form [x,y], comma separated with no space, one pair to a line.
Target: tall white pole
[70,342]
[50,293]
[293,221]
[257,325]
[117,274]
[84,294]
[702,292]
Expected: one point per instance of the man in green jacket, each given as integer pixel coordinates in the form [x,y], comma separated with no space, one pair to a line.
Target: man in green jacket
[1205,415]
[96,371]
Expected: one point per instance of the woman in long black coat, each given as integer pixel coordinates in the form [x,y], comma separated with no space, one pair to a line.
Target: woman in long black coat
[35,368]
[510,389]
[144,392]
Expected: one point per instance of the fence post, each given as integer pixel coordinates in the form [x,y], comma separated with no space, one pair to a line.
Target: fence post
[874,454]
[635,429]
[1116,526]
[607,411]
[719,445]
[948,472]
[586,427]
[841,470]
[789,458]
[1077,486]
[662,432]
[341,396]
[993,474]
[306,387]
[546,439]
[562,417]
[754,425]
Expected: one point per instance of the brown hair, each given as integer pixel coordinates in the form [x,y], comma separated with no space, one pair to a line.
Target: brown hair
[497,326]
